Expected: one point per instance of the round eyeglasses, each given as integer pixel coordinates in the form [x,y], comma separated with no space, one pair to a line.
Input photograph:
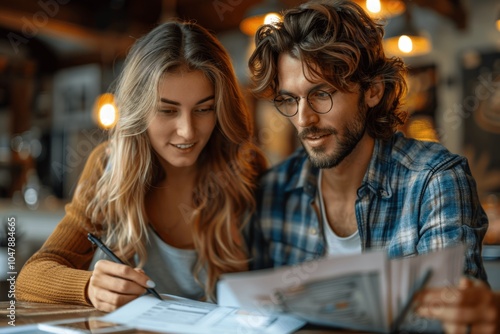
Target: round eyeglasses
[320,102]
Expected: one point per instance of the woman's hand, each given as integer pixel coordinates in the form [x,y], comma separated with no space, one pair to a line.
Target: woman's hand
[469,308]
[113,285]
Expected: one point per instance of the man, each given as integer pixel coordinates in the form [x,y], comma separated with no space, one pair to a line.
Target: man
[356,184]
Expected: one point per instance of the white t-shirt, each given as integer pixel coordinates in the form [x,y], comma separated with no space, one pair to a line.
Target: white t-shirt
[337,245]
[170,268]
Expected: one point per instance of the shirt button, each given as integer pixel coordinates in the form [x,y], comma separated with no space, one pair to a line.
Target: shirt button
[383,192]
[313,231]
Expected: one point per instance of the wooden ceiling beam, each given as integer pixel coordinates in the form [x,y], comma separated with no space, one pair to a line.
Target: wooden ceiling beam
[20,25]
[23,30]
[84,21]
[36,10]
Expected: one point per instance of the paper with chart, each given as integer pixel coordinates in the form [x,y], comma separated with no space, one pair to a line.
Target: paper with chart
[363,291]
[341,290]
[180,315]
[339,301]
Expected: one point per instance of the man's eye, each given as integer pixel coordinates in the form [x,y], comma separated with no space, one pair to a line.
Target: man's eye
[320,95]
[285,99]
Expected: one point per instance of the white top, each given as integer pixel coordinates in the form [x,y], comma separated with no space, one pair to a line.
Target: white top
[170,268]
[337,245]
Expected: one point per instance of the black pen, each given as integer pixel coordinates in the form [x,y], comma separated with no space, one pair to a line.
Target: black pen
[95,240]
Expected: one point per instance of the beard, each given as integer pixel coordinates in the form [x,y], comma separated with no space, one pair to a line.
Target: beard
[346,143]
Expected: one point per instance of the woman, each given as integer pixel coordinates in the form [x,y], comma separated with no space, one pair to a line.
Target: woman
[169,192]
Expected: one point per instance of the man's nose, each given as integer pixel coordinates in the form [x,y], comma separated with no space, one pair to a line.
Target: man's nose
[306,115]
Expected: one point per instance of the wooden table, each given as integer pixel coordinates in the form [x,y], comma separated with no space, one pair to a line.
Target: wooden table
[33,313]
[27,313]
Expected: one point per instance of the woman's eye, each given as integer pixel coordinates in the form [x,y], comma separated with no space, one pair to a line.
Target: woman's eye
[205,110]
[168,111]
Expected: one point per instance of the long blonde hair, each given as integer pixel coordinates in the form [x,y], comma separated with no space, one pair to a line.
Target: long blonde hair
[228,165]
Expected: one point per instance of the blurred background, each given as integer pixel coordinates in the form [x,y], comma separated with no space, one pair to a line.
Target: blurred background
[58,59]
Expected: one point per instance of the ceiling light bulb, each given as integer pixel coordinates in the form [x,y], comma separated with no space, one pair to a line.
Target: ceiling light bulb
[405,44]
[105,112]
[262,13]
[373,6]
[382,9]
[107,115]
[272,18]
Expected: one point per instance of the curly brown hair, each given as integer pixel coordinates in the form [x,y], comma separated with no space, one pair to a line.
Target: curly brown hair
[339,43]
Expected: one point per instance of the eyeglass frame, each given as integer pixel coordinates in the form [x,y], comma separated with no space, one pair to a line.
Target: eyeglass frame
[298,98]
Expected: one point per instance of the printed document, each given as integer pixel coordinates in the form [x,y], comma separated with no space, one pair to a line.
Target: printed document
[364,291]
[180,315]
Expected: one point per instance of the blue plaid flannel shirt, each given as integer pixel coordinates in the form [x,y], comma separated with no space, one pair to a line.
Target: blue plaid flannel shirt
[415,197]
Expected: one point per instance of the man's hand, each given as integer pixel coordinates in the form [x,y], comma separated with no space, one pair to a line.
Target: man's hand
[113,285]
[469,308]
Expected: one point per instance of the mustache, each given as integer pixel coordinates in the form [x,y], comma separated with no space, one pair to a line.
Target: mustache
[315,131]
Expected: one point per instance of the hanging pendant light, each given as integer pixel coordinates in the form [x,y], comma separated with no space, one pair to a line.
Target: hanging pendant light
[266,12]
[408,42]
[105,112]
[382,8]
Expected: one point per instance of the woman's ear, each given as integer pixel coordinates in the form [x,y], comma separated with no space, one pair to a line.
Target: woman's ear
[374,93]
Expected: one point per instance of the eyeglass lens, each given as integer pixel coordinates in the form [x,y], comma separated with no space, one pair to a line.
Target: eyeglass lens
[319,100]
